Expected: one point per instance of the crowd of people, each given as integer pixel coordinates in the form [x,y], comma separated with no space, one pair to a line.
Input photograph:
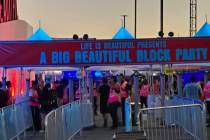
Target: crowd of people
[46,96]
[112,96]
[112,93]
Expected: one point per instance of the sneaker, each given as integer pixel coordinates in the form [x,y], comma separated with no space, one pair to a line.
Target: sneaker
[114,136]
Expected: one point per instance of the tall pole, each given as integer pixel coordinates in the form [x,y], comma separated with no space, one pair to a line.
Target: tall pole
[179,84]
[193,17]
[136,98]
[27,83]
[70,88]
[124,16]
[135,19]
[206,77]
[162,86]
[161,17]
[4,75]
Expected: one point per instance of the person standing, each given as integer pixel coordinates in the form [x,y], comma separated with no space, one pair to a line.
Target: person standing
[46,99]
[9,94]
[192,90]
[35,104]
[95,95]
[207,98]
[3,99]
[144,92]
[104,96]
[54,94]
[65,93]
[124,95]
[114,102]
[174,86]
[201,86]
[77,94]
[129,87]
[60,91]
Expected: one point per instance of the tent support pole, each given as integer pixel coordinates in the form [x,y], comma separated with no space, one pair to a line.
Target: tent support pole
[206,77]
[162,85]
[179,84]
[27,82]
[136,98]
[4,73]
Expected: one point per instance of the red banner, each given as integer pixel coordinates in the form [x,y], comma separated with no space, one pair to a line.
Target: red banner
[105,52]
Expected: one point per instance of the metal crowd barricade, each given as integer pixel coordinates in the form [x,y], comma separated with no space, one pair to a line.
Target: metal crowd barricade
[14,120]
[87,115]
[178,100]
[68,120]
[128,115]
[184,122]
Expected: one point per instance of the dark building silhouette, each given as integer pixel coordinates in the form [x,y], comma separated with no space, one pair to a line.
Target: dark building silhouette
[8,10]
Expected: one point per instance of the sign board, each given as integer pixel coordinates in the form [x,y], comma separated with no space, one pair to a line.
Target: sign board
[105,52]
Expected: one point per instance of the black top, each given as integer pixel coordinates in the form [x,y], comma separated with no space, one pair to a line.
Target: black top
[104,96]
[3,98]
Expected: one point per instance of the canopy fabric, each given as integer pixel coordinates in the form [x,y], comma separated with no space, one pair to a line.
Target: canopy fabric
[40,34]
[122,34]
[146,68]
[204,30]
[50,68]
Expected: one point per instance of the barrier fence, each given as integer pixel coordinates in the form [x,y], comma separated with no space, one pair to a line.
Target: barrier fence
[87,115]
[174,122]
[155,101]
[14,120]
[180,118]
[178,100]
[68,120]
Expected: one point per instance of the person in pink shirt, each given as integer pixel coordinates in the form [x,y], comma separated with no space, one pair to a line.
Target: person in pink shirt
[114,101]
[144,92]
[207,90]
[207,97]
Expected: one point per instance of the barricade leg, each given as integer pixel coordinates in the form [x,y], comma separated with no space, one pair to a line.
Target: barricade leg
[4,126]
[24,133]
[128,127]
[16,123]
[81,116]
[204,124]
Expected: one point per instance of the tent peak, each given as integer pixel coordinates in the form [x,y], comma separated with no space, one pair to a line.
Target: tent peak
[40,34]
[123,34]
[204,30]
